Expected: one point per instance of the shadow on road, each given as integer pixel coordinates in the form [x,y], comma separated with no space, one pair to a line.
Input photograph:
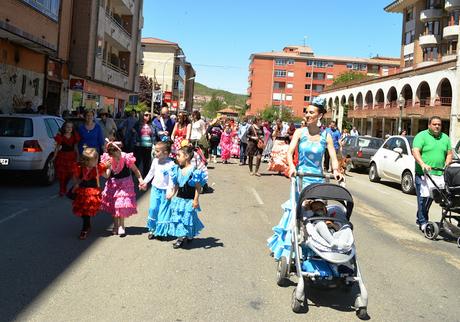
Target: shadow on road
[206,243]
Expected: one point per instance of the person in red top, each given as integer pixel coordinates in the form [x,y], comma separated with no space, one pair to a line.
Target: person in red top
[181,131]
[65,153]
[87,202]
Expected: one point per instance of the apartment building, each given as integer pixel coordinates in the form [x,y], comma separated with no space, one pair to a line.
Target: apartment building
[34,52]
[105,53]
[292,77]
[427,84]
[165,62]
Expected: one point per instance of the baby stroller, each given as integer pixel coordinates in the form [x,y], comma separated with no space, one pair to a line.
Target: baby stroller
[315,258]
[449,200]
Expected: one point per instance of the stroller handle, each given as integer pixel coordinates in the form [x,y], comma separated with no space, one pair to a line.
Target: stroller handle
[435,169]
[314,175]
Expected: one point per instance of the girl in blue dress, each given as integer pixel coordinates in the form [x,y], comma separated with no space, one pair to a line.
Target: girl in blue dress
[310,144]
[187,180]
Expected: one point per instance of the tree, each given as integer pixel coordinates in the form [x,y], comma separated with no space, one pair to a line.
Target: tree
[349,77]
[272,113]
[145,90]
[211,108]
[141,107]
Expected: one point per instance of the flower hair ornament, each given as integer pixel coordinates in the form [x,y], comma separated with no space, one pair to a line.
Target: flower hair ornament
[115,144]
[319,102]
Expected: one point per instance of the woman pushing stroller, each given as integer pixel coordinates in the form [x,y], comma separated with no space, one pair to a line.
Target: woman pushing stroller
[310,144]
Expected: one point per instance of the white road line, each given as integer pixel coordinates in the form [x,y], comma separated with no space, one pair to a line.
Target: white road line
[259,200]
[13,215]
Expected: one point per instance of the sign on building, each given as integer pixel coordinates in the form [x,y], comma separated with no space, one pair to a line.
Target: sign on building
[77,84]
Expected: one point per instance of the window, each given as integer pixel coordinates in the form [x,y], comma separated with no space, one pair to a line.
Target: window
[350,140]
[278,96]
[363,67]
[409,37]
[176,84]
[409,13]
[329,76]
[280,73]
[430,54]
[49,8]
[409,60]
[290,74]
[52,127]
[319,63]
[319,76]
[434,4]
[390,144]
[307,86]
[288,97]
[279,85]
[306,98]
[356,66]
[280,61]
[290,61]
[290,85]
[330,64]
[432,28]
[16,127]
[308,75]
[318,88]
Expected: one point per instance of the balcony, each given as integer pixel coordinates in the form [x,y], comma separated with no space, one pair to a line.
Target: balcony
[112,74]
[430,14]
[409,49]
[429,40]
[116,31]
[452,5]
[451,32]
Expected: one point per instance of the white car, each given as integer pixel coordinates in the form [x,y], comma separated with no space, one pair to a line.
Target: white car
[27,144]
[394,162]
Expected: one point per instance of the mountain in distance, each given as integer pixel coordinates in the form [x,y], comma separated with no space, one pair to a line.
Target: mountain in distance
[231,99]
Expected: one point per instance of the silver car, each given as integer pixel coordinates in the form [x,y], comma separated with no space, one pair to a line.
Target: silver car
[27,144]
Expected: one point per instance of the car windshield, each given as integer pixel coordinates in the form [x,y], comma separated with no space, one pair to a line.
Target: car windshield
[15,127]
[370,143]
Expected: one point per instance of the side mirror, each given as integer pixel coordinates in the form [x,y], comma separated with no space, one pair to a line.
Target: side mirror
[398,150]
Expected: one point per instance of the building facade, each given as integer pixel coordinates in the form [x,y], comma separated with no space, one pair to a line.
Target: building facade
[426,86]
[34,52]
[105,53]
[165,63]
[293,77]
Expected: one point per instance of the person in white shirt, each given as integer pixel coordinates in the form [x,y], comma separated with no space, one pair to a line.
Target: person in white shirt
[198,130]
[159,214]
[242,135]
[354,131]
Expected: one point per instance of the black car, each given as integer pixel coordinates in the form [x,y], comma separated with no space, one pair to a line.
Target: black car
[360,149]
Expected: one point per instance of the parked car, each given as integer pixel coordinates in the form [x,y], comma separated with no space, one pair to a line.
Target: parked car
[394,162]
[27,144]
[360,149]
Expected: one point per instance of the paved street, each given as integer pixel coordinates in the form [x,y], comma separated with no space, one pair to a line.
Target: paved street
[47,274]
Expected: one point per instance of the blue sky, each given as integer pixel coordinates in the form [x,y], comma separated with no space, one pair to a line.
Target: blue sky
[218,36]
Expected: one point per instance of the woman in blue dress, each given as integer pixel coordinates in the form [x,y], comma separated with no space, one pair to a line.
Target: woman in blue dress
[184,207]
[310,144]
[91,134]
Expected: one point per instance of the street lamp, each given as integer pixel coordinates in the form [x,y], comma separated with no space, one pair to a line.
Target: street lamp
[163,79]
[401,101]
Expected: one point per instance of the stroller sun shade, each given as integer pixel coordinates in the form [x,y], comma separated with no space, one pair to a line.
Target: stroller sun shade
[327,191]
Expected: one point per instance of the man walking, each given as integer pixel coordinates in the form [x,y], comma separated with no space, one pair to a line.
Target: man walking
[336,137]
[242,134]
[164,123]
[431,149]
[354,131]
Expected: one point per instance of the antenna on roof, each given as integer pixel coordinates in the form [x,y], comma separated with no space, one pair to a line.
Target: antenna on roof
[305,41]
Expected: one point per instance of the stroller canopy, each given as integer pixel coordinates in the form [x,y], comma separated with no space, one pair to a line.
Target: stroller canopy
[327,191]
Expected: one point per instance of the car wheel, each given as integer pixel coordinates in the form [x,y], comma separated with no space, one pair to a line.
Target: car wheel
[48,174]
[407,183]
[373,174]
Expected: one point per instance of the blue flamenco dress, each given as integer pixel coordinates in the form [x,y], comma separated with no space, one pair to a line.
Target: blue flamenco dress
[310,161]
[184,221]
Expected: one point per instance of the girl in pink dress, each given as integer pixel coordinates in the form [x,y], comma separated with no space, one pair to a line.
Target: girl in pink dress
[235,144]
[119,197]
[226,143]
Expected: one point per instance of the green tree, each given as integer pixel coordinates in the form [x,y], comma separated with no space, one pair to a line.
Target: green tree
[349,77]
[272,113]
[211,108]
[141,107]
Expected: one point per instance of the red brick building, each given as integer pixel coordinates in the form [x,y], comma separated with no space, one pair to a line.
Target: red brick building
[292,77]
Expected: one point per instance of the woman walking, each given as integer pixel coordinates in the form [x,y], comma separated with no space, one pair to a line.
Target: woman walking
[90,133]
[226,143]
[181,131]
[278,157]
[146,138]
[214,133]
[311,144]
[256,145]
[198,132]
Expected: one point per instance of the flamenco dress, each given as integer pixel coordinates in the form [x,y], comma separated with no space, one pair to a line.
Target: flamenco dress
[278,156]
[236,147]
[66,156]
[159,212]
[179,136]
[87,200]
[225,145]
[184,218]
[310,156]
[119,196]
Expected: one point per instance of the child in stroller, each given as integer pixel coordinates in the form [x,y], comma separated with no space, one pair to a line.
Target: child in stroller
[323,250]
[448,197]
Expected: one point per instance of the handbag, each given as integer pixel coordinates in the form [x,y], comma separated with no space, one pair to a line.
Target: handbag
[260,144]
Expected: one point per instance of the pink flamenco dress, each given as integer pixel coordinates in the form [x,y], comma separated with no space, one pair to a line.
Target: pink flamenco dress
[179,136]
[119,196]
[226,144]
[235,146]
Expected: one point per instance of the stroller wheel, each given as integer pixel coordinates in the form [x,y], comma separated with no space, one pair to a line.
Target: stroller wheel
[297,306]
[431,230]
[282,272]
[362,313]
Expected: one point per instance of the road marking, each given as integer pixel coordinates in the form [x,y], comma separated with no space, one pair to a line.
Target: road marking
[256,195]
[13,215]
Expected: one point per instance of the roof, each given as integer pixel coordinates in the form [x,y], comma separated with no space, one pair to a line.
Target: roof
[157,41]
[380,60]
[399,5]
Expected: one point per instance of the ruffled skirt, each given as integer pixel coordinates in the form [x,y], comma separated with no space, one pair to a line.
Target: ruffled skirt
[87,202]
[159,217]
[280,242]
[63,164]
[184,219]
[226,149]
[119,197]
[278,157]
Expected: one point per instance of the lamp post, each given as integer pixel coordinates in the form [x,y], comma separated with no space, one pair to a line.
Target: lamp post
[401,101]
[185,87]
[163,77]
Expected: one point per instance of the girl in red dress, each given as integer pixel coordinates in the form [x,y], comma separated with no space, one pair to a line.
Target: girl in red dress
[65,153]
[181,131]
[87,202]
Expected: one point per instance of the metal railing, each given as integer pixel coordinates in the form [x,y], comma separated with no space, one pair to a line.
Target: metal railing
[425,101]
[114,67]
[446,101]
[117,23]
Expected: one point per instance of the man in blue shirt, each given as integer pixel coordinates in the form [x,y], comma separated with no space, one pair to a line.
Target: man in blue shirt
[336,136]
[243,135]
